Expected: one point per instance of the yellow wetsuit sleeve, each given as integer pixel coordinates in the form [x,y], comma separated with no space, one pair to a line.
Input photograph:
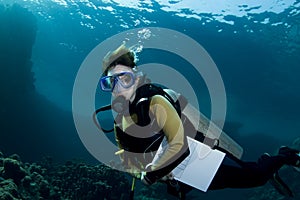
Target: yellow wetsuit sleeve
[169,121]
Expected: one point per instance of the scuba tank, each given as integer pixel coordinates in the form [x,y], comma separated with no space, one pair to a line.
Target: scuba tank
[207,132]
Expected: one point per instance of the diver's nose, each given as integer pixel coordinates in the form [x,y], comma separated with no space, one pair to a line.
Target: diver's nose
[116,90]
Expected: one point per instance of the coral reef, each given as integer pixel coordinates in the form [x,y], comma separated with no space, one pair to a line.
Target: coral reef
[72,180]
[77,180]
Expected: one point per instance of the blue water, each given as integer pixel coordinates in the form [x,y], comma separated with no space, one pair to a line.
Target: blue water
[255,45]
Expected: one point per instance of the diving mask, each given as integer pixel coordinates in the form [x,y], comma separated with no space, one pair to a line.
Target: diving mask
[125,79]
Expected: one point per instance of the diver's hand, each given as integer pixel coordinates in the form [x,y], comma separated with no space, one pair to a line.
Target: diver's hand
[135,172]
[146,179]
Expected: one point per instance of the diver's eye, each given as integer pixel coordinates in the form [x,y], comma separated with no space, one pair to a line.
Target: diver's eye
[126,79]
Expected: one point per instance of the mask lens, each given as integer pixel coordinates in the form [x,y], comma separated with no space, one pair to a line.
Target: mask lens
[107,83]
[126,79]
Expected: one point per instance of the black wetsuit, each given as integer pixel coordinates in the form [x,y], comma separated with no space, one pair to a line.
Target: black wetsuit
[234,173]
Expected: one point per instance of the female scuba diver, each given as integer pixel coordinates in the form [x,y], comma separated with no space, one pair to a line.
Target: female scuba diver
[146,115]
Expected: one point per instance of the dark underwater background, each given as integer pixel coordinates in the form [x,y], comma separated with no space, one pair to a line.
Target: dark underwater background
[255,45]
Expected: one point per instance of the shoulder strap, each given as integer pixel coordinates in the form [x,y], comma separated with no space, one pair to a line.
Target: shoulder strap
[140,105]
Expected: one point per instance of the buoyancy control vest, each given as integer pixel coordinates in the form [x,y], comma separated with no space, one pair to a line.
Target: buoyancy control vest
[131,139]
[144,137]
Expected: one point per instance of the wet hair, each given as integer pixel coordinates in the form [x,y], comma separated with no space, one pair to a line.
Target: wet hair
[121,56]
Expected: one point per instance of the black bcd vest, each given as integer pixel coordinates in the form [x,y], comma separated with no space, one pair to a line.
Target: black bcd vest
[140,108]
